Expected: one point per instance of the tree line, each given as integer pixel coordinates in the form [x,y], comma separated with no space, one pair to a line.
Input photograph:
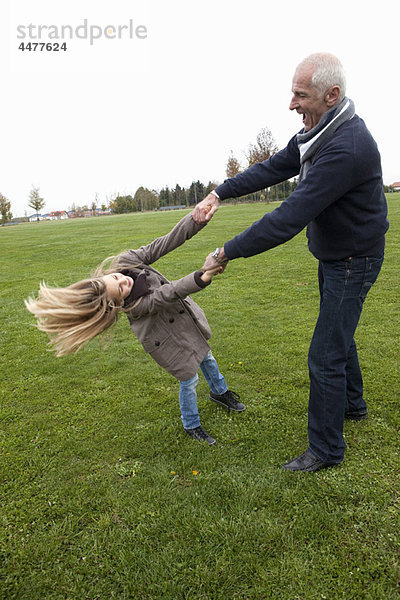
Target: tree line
[145,199]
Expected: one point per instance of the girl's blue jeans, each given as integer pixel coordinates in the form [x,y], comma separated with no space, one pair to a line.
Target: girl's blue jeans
[336,383]
[187,391]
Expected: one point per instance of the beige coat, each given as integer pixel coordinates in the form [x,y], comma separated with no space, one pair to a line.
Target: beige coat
[170,326]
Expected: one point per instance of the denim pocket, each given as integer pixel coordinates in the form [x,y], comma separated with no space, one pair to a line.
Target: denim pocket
[372,267]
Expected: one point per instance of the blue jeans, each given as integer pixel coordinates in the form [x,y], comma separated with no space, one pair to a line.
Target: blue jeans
[187,391]
[336,383]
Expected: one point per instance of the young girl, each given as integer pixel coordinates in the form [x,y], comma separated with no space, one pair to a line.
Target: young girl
[170,326]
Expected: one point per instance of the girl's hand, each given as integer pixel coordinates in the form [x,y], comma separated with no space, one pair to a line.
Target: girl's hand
[208,275]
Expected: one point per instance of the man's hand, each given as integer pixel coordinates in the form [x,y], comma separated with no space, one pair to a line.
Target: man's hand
[210,262]
[205,209]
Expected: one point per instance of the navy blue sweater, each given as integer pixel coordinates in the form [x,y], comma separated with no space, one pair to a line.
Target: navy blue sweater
[341,199]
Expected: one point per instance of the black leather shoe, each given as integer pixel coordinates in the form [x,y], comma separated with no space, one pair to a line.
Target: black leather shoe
[200,435]
[307,462]
[356,416]
[229,400]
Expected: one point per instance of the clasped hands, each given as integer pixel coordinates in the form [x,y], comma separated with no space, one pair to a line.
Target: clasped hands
[202,213]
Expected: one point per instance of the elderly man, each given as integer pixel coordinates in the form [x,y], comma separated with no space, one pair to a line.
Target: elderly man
[340,199]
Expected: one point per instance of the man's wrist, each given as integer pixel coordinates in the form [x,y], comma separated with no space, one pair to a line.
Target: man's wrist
[219,256]
[214,193]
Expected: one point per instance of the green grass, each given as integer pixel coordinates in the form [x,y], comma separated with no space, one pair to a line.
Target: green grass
[99,498]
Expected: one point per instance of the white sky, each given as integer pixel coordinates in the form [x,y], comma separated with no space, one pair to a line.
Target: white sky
[109,117]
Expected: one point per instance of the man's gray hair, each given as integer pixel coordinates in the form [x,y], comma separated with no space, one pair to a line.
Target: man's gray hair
[328,71]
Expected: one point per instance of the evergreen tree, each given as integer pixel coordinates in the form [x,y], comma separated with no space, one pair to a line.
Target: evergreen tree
[165,197]
[35,201]
[195,193]
[179,195]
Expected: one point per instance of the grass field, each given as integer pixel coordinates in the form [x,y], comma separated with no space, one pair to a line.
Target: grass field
[102,495]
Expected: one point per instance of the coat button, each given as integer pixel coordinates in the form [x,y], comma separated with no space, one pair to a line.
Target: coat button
[147,272]
[156,343]
[171,320]
[181,311]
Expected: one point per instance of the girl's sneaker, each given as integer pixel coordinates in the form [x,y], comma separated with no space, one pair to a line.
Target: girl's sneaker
[229,400]
[200,435]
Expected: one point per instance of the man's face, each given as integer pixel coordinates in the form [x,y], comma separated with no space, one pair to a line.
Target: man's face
[306,100]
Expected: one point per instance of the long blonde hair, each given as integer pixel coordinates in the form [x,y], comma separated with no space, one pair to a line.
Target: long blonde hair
[73,315]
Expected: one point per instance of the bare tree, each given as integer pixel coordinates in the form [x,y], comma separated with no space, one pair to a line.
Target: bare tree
[232,166]
[263,149]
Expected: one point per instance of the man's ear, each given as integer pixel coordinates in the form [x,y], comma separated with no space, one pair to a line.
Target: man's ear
[332,96]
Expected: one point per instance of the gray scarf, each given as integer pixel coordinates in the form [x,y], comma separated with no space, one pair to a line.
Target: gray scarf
[312,140]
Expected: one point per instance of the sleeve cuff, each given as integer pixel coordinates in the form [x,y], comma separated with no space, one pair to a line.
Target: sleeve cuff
[230,250]
[222,191]
[199,281]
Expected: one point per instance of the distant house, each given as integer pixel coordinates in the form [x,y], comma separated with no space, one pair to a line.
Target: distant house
[51,216]
[396,186]
[56,215]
